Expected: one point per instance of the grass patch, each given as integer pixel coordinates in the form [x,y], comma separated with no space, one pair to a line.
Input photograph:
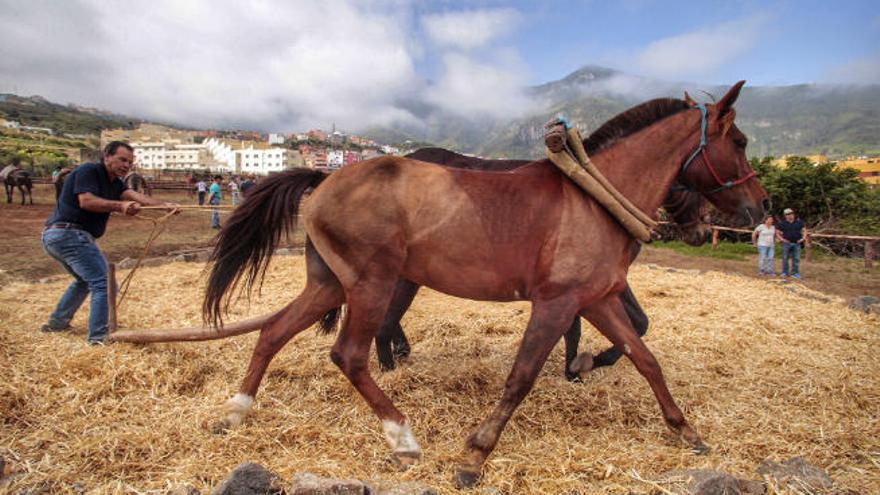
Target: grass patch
[726,250]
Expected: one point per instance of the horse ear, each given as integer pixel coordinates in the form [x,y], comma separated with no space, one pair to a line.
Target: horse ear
[690,101]
[729,99]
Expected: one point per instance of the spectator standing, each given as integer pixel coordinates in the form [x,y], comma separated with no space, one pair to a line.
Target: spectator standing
[201,187]
[764,237]
[233,190]
[214,197]
[90,193]
[246,185]
[791,231]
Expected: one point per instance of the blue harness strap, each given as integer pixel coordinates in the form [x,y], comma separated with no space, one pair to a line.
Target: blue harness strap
[703,125]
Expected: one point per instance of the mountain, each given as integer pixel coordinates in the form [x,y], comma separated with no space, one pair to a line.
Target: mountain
[69,119]
[802,119]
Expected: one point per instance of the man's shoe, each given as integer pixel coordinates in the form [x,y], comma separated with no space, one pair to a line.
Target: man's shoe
[104,341]
[796,275]
[50,329]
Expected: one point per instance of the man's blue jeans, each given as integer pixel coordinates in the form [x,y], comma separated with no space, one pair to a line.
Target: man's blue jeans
[791,250]
[79,255]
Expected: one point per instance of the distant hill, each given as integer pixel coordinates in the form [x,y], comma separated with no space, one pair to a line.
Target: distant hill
[803,119]
[68,119]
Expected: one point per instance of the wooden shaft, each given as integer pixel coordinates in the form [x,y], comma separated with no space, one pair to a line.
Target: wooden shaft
[808,244]
[869,254]
[715,232]
[111,297]
[192,334]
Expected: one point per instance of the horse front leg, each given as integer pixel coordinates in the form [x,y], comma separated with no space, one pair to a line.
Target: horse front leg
[610,318]
[549,320]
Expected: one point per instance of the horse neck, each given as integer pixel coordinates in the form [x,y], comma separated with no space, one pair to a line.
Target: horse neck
[643,166]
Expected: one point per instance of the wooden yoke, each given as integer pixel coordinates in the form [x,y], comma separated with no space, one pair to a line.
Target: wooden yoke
[565,149]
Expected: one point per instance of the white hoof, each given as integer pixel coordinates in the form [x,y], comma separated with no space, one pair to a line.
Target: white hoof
[237,408]
[400,438]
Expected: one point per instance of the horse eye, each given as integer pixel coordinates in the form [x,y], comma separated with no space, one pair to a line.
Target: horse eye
[741,143]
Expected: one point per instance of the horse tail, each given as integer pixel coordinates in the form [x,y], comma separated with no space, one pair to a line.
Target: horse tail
[251,234]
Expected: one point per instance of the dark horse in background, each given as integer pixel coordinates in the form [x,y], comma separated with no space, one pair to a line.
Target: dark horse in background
[133,181]
[688,209]
[20,178]
[529,234]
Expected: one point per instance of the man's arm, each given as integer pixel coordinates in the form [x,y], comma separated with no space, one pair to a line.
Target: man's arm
[90,202]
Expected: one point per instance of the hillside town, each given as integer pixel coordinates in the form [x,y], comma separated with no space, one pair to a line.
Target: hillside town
[161,149]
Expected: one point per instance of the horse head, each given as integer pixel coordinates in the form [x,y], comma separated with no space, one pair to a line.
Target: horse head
[718,168]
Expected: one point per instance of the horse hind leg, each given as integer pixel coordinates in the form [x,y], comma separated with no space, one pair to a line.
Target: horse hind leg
[367,306]
[322,294]
[391,342]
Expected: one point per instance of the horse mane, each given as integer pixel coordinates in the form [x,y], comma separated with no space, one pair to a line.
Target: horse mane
[631,121]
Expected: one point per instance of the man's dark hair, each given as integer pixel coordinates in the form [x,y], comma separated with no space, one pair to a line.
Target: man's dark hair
[218,177]
[113,146]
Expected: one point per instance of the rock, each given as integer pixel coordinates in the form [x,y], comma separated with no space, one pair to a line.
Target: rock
[202,256]
[864,303]
[873,309]
[312,484]
[400,488]
[186,257]
[708,482]
[184,490]
[126,264]
[796,474]
[249,478]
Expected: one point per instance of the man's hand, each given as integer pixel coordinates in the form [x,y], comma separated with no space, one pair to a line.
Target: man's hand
[130,208]
[172,207]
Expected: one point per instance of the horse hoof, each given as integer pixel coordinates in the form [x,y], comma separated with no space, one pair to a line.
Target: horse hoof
[701,449]
[581,365]
[403,460]
[466,477]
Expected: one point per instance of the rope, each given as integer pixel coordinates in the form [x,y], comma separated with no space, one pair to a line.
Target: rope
[158,227]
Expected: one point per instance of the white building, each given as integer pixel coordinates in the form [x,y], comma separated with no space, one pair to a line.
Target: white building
[276,138]
[247,157]
[167,156]
[335,159]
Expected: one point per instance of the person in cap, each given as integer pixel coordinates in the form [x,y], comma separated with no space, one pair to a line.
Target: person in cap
[90,193]
[791,232]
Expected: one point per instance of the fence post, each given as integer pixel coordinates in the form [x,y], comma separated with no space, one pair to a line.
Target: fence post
[808,244]
[869,254]
[111,297]
[714,238]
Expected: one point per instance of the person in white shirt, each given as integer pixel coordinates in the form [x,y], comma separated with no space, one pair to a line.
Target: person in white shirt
[233,189]
[764,237]
[202,188]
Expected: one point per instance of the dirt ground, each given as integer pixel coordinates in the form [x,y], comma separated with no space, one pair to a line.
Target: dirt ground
[22,257]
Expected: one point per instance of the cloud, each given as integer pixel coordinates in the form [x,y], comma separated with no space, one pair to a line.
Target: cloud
[470,88]
[271,66]
[470,29]
[865,70]
[700,52]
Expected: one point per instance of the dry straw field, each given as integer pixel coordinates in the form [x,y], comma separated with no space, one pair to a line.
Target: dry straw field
[762,371]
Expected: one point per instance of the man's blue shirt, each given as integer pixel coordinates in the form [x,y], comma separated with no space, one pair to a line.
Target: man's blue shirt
[791,231]
[87,178]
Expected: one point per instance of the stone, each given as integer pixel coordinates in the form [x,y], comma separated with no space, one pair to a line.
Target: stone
[249,478]
[400,488]
[708,482]
[312,484]
[185,257]
[873,309]
[796,474]
[863,303]
[126,264]
[184,490]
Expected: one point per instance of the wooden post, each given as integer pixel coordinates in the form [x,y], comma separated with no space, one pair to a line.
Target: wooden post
[111,297]
[808,244]
[714,238]
[869,254]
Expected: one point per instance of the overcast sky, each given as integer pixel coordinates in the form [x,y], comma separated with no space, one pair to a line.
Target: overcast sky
[293,65]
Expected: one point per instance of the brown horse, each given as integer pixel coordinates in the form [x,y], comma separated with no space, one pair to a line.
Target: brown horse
[688,210]
[20,178]
[528,234]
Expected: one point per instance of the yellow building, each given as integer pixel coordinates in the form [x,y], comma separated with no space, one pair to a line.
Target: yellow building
[782,161]
[868,167]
